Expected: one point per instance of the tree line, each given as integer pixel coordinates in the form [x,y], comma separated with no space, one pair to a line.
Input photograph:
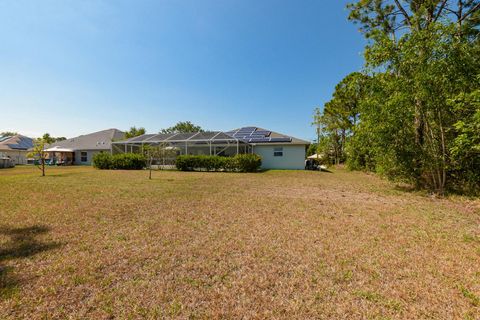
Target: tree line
[179,127]
[413,112]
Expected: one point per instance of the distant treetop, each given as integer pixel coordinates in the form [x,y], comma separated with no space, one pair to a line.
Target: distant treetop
[134,132]
[49,139]
[8,134]
[183,127]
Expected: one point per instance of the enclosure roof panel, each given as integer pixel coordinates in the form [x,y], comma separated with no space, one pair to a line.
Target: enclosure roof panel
[208,136]
[251,135]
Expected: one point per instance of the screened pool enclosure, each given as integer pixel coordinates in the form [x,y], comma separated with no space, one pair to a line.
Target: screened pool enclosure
[230,143]
[197,143]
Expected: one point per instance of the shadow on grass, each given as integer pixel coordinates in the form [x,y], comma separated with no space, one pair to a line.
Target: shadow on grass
[292,170]
[56,174]
[22,244]
[471,194]
[406,188]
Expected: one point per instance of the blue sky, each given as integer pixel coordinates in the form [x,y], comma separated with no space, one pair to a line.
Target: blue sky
[74,67]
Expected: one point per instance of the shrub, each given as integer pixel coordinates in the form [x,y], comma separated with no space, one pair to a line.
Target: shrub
[248,162]
[241,162]
[102,160]
[124,161]
[129,161]
[184,163]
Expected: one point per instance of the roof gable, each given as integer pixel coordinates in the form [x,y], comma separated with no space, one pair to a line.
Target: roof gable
[100,140]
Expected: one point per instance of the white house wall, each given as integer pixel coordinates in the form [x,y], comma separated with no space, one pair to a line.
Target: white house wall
[90,154]
[293,156]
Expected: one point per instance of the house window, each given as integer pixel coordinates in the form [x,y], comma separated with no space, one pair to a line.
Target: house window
[278,152]
[83,156]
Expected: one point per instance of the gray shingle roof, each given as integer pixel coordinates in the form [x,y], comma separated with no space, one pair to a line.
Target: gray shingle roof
[101,140]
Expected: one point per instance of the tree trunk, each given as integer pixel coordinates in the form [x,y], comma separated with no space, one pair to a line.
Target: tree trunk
[443,180]
[150,169]
[318,140]
[419,123]
[419,127]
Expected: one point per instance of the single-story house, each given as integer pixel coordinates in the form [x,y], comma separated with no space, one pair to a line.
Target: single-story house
[80,150]
[16,148]
[278,151]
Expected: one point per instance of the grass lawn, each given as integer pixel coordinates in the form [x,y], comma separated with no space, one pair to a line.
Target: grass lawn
[82,243]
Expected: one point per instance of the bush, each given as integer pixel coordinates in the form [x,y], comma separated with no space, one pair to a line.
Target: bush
[124,161]
[241,162]
[248,162]
[185,163]
[102,161]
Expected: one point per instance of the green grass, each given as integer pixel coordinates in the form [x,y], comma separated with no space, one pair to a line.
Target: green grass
[83,243]
[474,299]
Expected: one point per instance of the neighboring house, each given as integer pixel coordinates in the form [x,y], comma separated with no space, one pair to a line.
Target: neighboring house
[278,151]
[80,150]
[16,148]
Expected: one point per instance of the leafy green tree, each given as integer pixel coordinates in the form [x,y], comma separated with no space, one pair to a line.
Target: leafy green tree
[183,127]
[135,132]
[328,139]
[335,125]
[49,139]
[39,154]
[346,99]
[421,54]
[312,149]
[157,153]
[394,18]
[151,154]
[465,148]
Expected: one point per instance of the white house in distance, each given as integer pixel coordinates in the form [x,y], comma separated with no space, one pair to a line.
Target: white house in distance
[278,151]
[80,150]
[16,148]
[282,155]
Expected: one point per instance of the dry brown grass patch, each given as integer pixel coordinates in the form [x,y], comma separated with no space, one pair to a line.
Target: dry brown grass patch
[82,243]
